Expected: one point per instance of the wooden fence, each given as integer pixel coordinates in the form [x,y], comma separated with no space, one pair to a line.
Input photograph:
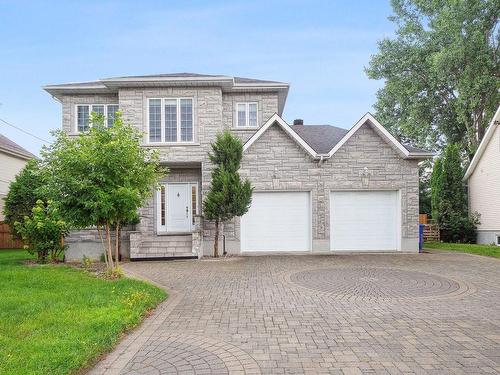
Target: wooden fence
[431,232]
[6,240]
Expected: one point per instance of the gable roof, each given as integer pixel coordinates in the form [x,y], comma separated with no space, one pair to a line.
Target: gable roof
[322,141]
[495,121]
[10,147]
[276,119]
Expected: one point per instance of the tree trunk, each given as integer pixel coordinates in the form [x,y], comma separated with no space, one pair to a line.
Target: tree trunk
[216,241]
[108,239]
[103,246]
[117,243]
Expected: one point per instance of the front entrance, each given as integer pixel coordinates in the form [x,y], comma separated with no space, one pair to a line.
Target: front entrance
[175,204]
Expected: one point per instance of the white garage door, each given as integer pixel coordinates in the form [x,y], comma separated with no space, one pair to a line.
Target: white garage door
[277,221]
[364,220]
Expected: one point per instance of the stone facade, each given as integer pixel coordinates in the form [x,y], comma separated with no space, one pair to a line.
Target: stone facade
[274,162]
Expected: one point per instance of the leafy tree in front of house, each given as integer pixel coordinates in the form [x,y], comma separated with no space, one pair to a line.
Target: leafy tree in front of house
[101,178]
[43,231]
[24,192]
[441,72]
[228,196]
[435,185]
[449,198]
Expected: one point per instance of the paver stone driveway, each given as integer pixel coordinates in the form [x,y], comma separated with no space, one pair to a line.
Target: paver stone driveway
[338,314]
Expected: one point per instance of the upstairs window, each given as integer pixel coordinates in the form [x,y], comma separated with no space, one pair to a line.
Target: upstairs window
[171,120]
[246,115]
[83,112]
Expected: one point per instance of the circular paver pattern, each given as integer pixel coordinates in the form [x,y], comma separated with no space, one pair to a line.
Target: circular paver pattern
[184,354]
[366,282]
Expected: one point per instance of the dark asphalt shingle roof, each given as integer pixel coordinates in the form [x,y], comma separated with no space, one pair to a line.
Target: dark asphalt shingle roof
[10,146]
[322,138]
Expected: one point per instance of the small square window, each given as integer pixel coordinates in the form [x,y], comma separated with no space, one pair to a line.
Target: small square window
[498,240]
[246,115]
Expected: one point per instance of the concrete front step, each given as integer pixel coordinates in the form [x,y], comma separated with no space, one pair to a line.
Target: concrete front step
[164,246]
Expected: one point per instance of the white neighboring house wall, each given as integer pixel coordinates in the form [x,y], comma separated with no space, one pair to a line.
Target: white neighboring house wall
[10,166]
[483,178]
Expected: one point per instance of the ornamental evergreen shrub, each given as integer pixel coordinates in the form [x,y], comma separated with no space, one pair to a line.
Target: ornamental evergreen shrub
[228,196]
[449,198]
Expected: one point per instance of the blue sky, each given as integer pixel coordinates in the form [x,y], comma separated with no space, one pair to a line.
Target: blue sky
[319,47]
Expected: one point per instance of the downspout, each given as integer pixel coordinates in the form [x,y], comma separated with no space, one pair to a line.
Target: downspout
[321,159]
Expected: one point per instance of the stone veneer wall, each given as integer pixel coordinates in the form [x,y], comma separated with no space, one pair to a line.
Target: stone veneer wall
[276,162]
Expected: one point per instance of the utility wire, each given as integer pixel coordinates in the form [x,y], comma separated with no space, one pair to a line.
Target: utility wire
[24,131]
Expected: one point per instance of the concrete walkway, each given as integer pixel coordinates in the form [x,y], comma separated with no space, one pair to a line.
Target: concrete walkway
[352,314]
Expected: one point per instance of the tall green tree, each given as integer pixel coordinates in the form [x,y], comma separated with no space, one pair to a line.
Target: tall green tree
[26,189]
[435,185]
[449,198]
[228,196]
[441,71]
[101,178]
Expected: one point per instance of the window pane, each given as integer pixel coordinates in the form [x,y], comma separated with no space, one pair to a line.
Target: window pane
[83,118]
[252,114]
[242,116]
[155,120]
[112,109]
[194,199]
[99,109]
[171,120]
[186,120]
[162,205]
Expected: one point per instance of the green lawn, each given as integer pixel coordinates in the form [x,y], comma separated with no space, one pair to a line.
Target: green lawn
[487,250]
[55,319]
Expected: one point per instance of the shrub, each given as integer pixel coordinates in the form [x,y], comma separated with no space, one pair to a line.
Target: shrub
[24,192]
[43,232]
[449,198]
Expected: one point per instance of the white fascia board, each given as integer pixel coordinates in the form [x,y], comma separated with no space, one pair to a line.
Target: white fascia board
[278,120]
[369,117]
[484,143]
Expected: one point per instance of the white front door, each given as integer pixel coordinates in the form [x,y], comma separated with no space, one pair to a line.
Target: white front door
[178,208]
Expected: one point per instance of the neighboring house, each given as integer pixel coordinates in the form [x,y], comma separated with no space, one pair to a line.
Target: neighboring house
[483,179]
[13,158]
[318,188]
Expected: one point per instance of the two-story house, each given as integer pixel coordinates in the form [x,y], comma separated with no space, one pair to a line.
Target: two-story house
[317,188]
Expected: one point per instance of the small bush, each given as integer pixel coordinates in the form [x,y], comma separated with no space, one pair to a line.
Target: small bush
[43,232]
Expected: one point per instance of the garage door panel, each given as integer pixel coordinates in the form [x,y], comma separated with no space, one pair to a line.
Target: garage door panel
[277,221]
[364,220]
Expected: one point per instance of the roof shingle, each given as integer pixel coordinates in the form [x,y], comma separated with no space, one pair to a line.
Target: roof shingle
[10,146]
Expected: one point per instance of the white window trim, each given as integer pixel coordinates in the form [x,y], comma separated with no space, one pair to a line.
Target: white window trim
[162,229]
[162,121]
[247,115]
[90,112]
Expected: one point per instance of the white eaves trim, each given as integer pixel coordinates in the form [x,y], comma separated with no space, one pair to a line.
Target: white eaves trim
[369,117]
[278,120]
[366,118]
[484,143]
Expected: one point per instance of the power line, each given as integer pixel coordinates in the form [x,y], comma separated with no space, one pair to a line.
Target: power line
[24,131]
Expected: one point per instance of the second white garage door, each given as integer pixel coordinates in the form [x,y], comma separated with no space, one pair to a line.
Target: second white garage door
[364,220]
[277,221]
